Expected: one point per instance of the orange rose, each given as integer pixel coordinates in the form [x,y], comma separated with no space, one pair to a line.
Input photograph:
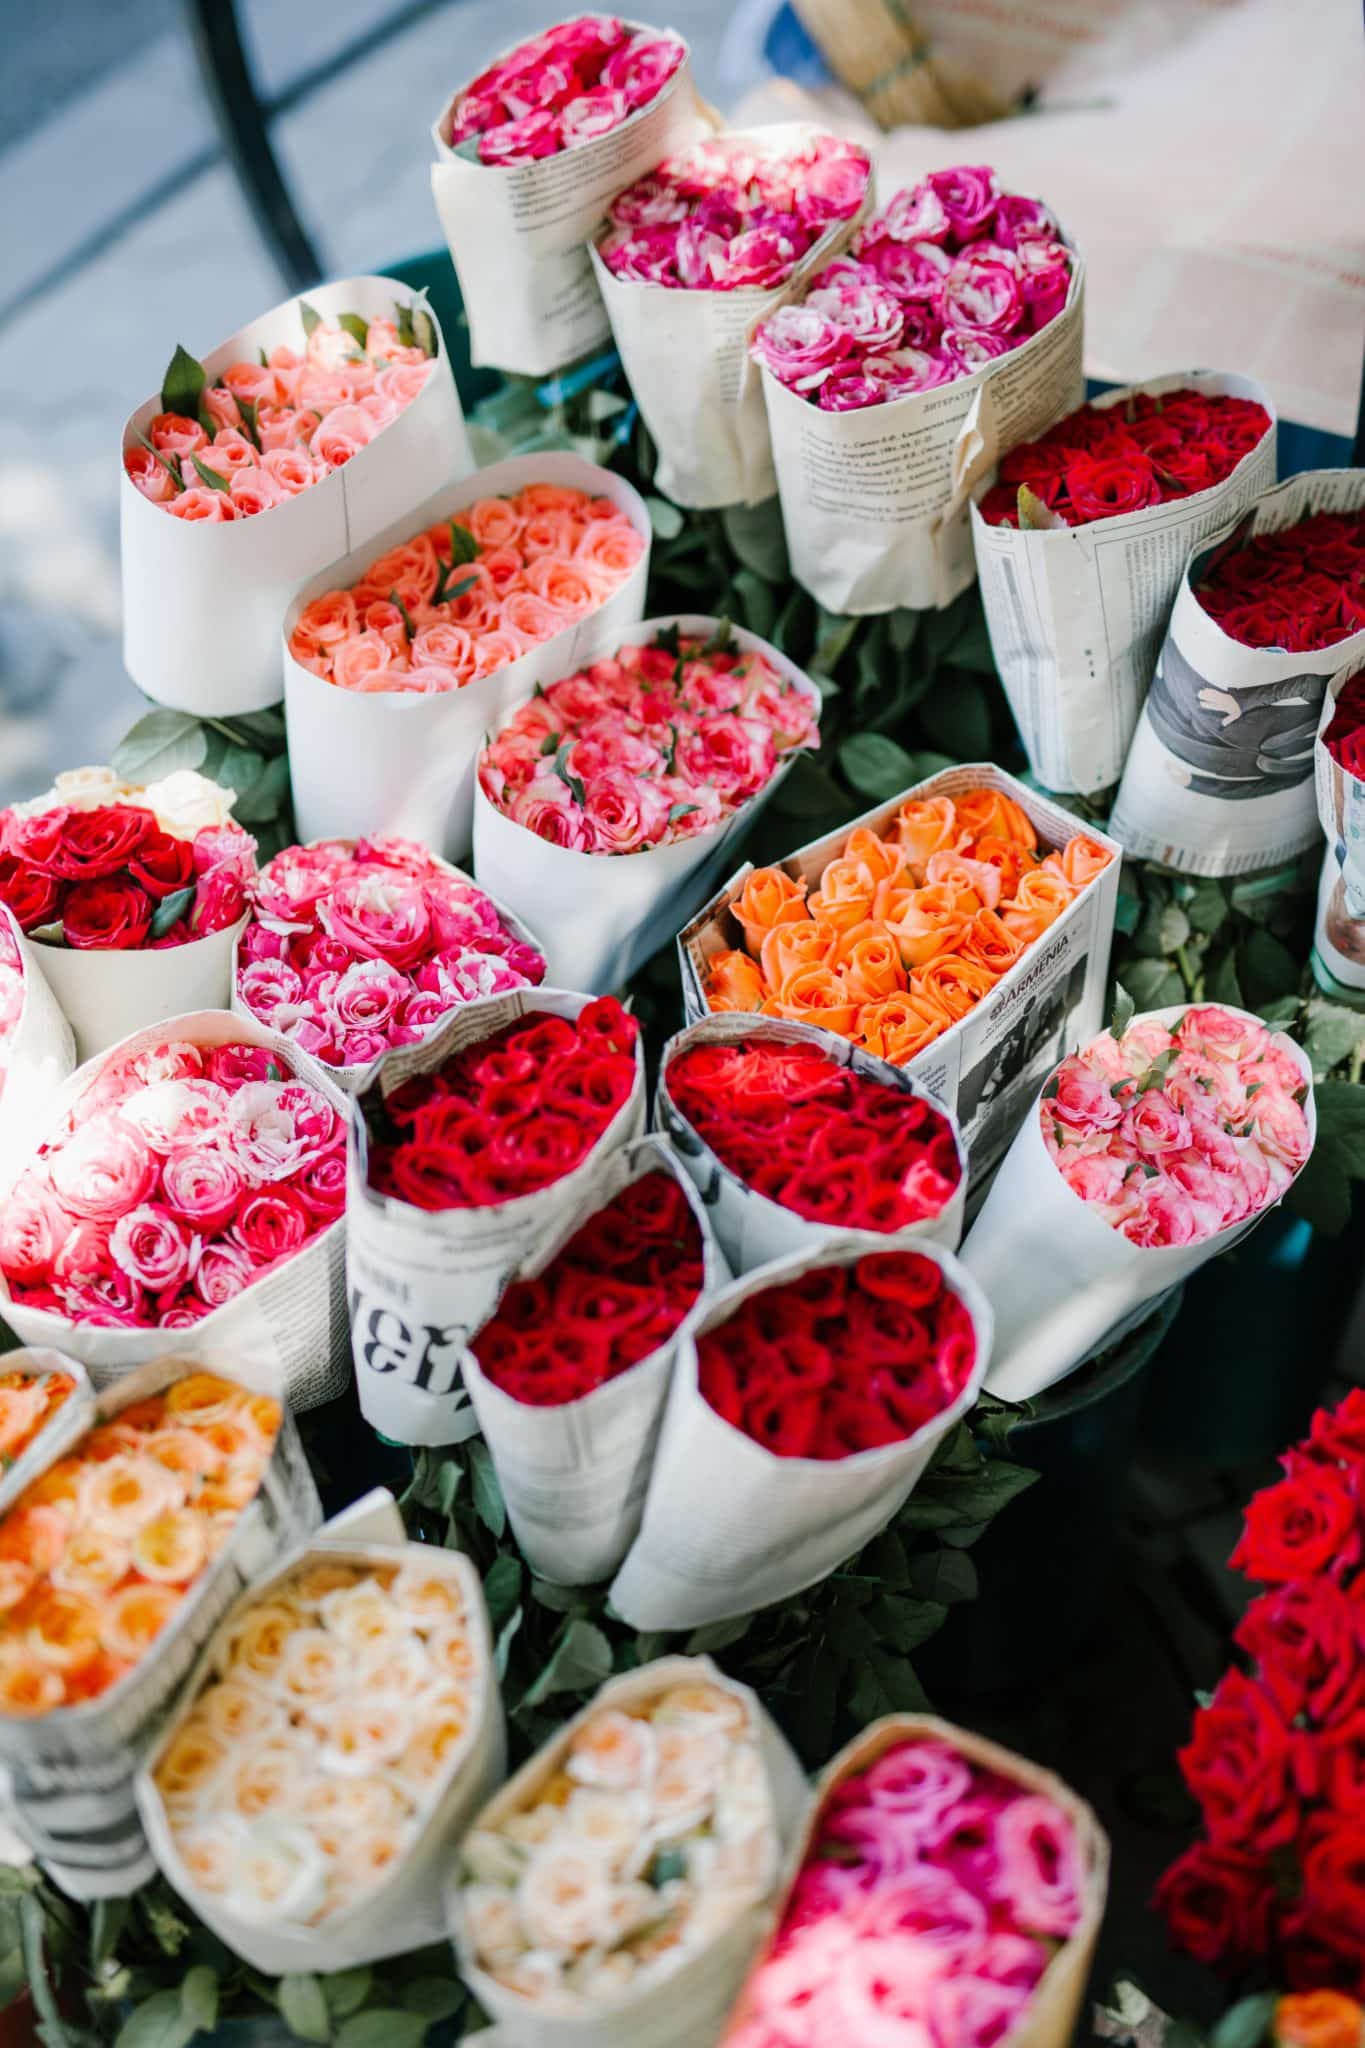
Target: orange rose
[931,923]
[957,983]
[1027,925]
[870,961]
[1042,893]
[925,826]
[734,983]
[1080,860]
[983,812]
[1006,858]
[816,995]
[882,858]
[976,881]
[899,1026]
[790,946]
[845,895]
[990,943]
[1317,2019]
[769,897]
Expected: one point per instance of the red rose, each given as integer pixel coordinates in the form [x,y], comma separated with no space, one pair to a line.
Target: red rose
[30,894]
[37,840]
[271,1224]
[98,843]
[163,864]
[1217,1904]
[106,916]
[1304,1641]
[1307,1523]
[1101,487]
[1338,1434]
[1334,1885]
[1238,1766]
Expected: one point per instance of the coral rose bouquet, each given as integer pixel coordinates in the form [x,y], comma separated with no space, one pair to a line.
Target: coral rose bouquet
[1339,765]
[1154,1148]
[614,1890]
[468,1152]
[608,803]
[958,305]
[37,1045]
[528,157]
[1270,614]
[1081,538]
[307,432]
[804,1407]
[398,662]
[693,257]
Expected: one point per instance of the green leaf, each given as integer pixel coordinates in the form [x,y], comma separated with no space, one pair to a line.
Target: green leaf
[168,462]
[159,2022]
[580,1661]
[448,1481]
[1125,1010]
[304,2008]
[169,909]
[502,1587]
[182,387]
[381,2028]
[1267,968]
[1223,984]
[158,744]
[346,1990]
[902,626]
[357,326]
[979,1498]
[1207,907]
[946,1575]
[836,635]
[1246,2024]
[266,797]
[757,536]
[13,1977]
[957,716]
[424,333]
[310,317]
[507,1634]
[436,1998]
[199,1997]
[1333,1034]
[264,727]
[1173,929]
[1152,984]
[905,1624]
[1322,1193]
[559,1599]
[717,1635]
[666,519]
[107,1922]
[488,1501]
[758,602]
[876,765]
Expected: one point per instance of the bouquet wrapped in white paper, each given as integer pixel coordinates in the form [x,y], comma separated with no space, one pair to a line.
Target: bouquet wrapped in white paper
[37,1046]
[1339,774]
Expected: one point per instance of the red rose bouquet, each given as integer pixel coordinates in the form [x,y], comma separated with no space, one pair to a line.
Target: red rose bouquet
[1300,588]
[1339,941]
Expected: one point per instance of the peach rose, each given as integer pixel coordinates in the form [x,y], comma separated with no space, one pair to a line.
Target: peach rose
[844,897]
[611,545]
[413,564]
[255,382]
[977,883]
[869,958]
[342,435]
[1318,2019]
[789,947]
[734,983]
[329,619]
[989,813]
[549,498]
[172,434]
[493,522]
[1008,860]
[1041,893]
[360,658]
[924,826]
[1079,861]
[769,897]
[990,943]
[532,618]
[400,383]
[444,646]
[228,453]
[212,507]
[149,476]
[930,923]
[291,469]
[551,532]
[567,585]
[897,1027]
[281,426]
[495,650]
[816,995]
[883,858]
[956,983]
[253,491]
[502,567]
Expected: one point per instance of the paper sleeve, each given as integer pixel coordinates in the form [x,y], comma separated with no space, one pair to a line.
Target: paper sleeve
[1339,934]
[107,996]
[39,1056]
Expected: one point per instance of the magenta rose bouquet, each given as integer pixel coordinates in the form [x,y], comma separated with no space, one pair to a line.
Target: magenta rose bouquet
[573,83]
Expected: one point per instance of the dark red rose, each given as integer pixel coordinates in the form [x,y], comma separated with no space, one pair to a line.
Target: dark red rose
[1300,589]
[1238,1764]
[1306,1524]
[1217,1904]
[1103,486]
[30,894]
[1303,1637]
[107,916]
[1334,1883]
[163,864]
[37,840]
[99,843]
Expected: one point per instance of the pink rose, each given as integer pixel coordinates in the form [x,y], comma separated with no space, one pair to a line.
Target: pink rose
[151,1247]
[201,1187]
[321,1187]
[171,434]
[379,916]
[1155,1126]
[169,1114]
[968,195]
[232,1065]
[103,1169]
[1020,220]
[546,808]
[32,1227]
[1164,1215]
[521,142]
[982,296]
[623,811]
[800,346]
[1280,1126]
[1210,1029]
[591,115]
[735,755]
[1038,1866]
[224,1270]
[291,470]
[361,1048]
[271,1225]
[368,996]
[149,475]
[972,2012]
[278,1127]
[914,214]
[203,506]
[269,986]
[342,435]
[641,68]
[971,348]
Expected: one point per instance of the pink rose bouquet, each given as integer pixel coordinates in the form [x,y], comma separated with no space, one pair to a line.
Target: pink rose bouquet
[572,84]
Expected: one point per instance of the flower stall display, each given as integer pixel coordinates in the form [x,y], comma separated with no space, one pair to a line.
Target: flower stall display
[468,1151]
[960,930]
[1080,545]
[308,432]
[402,656]
[613,1891]
[528,157]
[1155,1147]
[37,1045]
[355,946]
[608,803]
[955,317]
[796,1138]
[1339,775]
[947,1890]
[693,257]
[131,895]
[804,1406]
[569,1375]
[45,1398]
[1219,778]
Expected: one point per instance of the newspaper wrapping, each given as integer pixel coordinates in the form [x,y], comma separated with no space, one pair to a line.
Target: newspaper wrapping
[421,1281]
[686,358]
[40,1055]
[988,1067]
[1076,615]
[574,1476]
[1219,778]
[606,913]
[365,764]
[68,1774]
[684,2007]
[108,995]
[519,233]
[202,611]
[1064,1283]
[730,1527]
[750,1228]
[67,1422]
[1339,936]
[286,1330]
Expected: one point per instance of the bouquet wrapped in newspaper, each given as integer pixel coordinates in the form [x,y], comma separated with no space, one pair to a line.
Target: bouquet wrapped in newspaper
[307,432]
[341,1725]
[399,658]
[467,1152]
[1339,761]
[37,1046]
[694,256]
[187,1200]
[1154,1148]
[612,1893]
[608,804]
[797,1139]
[570,1373]
[1081,541]
[804,1407]
[874,384]
[946,1890]
[1219,778]
[41,1392]
[116,1559]
[528,156]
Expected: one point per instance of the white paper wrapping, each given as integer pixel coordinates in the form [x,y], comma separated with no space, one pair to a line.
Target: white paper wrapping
[875,501]
[1062,1281]
[1076,617]
[365,764]
[285,1333]
[202,604]
[606,913]
[108,995]
[68,1774]
[988,1067]
[686,358]
[1219,778]
[420,1282]
[1339,935]
[750,1228]
[69,1421]
[406,1910]
[683,2009]
[730,1527]
[42,1053]
[519,233]
[574,1476]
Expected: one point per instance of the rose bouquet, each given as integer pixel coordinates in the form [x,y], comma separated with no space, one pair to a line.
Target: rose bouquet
[529,154]
[356,946]
[947,1891]
[397,662]
[1219,778]
[804,1407]
[696,253]
[1155,1147]
[956,300]
[1080,547]
[569,1375]
[470,1150]
[610,800]
[1339,760]
[1274,1757]
[332,414]
[796,1138]
[133,895]
[613,1891]
[37,1045]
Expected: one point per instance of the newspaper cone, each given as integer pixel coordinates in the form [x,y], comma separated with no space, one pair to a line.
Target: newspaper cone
[39,1054]
[1339,936]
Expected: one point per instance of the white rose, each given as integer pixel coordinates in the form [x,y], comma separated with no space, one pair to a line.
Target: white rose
[86,789]
[493,1923]
[565,1897]
[613,1825]
[186,802]
[490,1858]
[279,1873]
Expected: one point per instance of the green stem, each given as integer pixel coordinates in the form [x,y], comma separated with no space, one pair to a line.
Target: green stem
[1191,976]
